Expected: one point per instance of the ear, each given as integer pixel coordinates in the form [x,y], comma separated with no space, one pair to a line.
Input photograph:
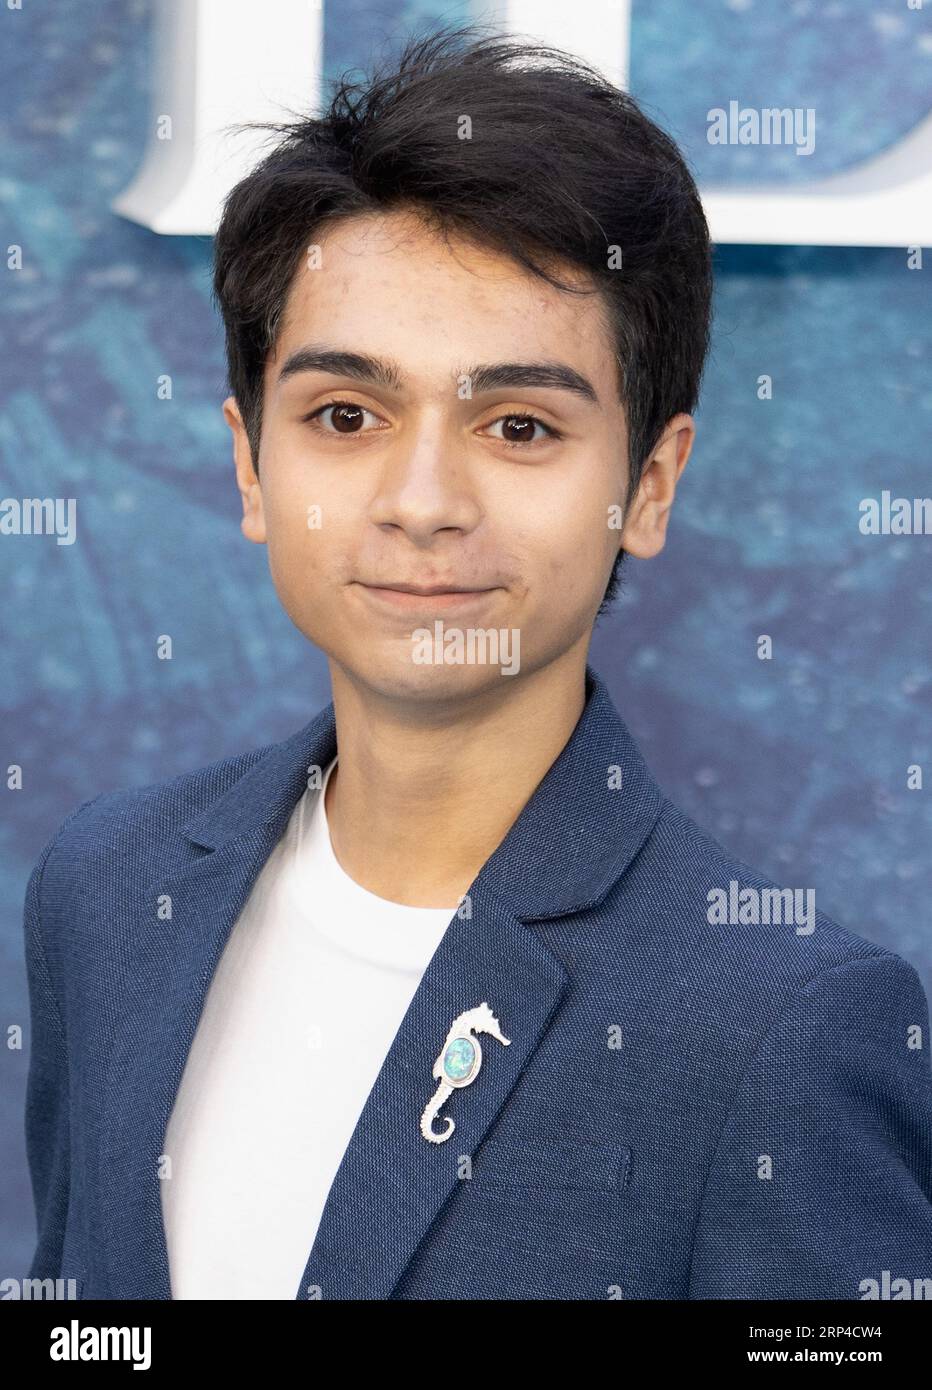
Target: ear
[253,522]
[645,527]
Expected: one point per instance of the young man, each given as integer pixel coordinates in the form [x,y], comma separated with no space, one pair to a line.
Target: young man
[438,998]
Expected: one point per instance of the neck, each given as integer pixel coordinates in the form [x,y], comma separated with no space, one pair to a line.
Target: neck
[422,795]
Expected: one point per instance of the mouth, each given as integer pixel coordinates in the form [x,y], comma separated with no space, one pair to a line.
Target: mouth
[425,596]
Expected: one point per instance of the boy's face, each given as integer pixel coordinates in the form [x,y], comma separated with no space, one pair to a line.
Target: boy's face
[412,482]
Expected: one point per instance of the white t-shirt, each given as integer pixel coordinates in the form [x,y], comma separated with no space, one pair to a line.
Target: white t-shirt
[312,985]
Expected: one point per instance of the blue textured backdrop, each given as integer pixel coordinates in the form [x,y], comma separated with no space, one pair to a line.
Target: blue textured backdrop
[798,764]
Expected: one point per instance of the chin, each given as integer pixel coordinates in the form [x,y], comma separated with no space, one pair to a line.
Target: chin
[395,676]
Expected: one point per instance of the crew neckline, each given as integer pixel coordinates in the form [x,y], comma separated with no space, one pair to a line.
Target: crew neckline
[349,915]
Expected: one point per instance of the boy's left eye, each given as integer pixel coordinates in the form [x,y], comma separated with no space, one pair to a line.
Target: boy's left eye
[524,424]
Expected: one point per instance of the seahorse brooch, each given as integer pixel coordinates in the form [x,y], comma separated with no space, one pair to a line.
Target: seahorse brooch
[458,1064]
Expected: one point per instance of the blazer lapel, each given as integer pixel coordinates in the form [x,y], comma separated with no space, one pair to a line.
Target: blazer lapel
[571,842]
[392,1181]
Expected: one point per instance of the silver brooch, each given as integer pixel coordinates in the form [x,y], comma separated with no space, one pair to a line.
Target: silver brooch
[458,1064]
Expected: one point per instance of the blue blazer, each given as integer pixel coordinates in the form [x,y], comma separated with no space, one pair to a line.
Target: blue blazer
[685,1108]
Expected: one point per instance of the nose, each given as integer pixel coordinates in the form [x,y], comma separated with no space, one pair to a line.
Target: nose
[425,485]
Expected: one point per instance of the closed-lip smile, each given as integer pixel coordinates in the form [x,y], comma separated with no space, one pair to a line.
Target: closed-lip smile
[425,590]
[403,596]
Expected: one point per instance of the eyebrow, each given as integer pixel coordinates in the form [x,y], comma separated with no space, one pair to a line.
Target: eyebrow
[489,376]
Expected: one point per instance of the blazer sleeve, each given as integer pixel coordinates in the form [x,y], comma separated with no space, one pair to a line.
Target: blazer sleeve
[822,1178]
[47,1125]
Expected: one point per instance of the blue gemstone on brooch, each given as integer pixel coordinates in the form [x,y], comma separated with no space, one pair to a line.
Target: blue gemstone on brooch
[459,1059]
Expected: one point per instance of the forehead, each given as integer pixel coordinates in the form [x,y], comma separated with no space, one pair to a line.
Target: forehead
[392,284]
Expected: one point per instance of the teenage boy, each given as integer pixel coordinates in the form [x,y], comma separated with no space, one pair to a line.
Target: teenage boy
[441,997]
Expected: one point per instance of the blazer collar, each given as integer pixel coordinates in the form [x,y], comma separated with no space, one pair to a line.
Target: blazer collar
[577,834]
[582,826]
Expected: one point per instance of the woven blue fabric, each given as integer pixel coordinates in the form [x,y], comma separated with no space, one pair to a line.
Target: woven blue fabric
[685,1110]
